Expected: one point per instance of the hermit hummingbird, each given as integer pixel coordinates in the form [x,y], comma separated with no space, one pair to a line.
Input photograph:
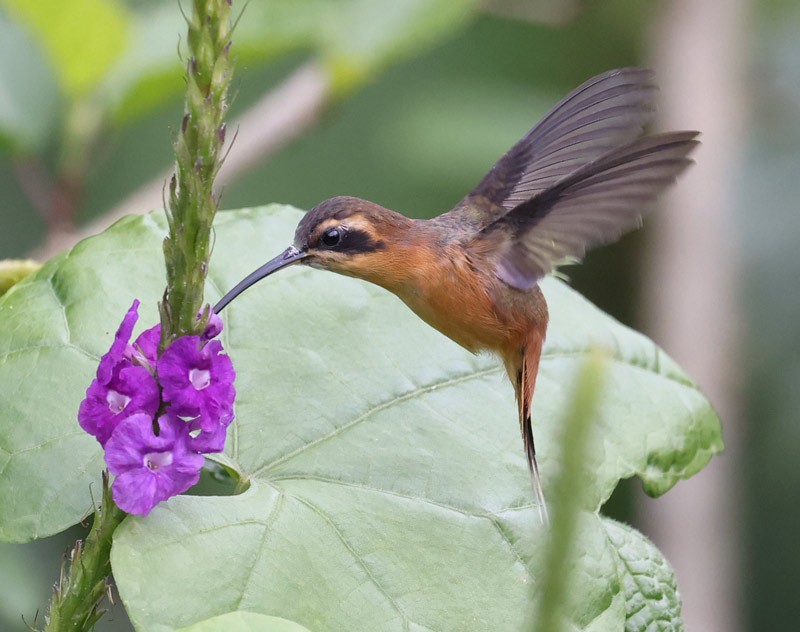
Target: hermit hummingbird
[583,176]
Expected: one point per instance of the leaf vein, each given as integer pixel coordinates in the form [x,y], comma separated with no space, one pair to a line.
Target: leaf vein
[491,517]
[270,520]
[359,560]
[422,390]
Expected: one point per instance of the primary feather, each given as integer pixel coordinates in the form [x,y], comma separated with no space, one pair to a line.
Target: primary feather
[591,207]
[605,112]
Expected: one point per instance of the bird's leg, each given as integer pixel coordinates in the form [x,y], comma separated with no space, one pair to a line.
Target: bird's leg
[524,378]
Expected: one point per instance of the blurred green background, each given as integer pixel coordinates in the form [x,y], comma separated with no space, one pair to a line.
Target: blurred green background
[415,100]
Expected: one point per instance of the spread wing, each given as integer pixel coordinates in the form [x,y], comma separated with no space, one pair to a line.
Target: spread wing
[604,113]
[592,206]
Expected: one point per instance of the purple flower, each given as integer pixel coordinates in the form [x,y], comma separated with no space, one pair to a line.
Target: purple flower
[150,468]
[120,389]
[130,390]
[197,381]
[144,350]
[196,389]
[120,345]
[207,441]
[213,327]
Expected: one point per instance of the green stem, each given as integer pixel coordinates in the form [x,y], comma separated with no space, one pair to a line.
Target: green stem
[80,590]
[198,153]
[569,488]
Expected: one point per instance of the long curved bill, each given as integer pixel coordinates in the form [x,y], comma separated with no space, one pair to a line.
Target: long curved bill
[288,257]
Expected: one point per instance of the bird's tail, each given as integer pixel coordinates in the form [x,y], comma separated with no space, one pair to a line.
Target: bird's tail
[533,466]
[524,387]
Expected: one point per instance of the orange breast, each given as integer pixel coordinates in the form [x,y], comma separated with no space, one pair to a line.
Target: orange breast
[466,302]
[454,291]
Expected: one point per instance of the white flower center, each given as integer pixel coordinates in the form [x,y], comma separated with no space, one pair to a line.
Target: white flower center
[199,378]
[155,460]
[117,401]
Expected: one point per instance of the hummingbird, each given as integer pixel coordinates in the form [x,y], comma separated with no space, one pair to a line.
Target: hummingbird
[580,178]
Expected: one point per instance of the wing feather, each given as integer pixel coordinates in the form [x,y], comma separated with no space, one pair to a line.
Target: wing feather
[592,206]
[604,113]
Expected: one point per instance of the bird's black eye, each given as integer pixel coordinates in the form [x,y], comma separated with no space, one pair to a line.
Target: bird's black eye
[331,237]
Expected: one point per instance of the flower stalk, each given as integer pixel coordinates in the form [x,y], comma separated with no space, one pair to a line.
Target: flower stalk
[153,460]
[198,153]
[83,584]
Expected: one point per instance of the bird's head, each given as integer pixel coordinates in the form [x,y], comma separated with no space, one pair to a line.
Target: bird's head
[347,235]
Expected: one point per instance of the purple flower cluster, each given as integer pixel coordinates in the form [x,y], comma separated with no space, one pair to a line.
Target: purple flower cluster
[156,416]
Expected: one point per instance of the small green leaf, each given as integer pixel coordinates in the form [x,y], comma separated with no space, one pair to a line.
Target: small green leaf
[12,271]
[242,621]
[651,596]
[82,38]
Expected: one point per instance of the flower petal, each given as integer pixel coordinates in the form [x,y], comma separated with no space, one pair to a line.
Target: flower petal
[209,399]
[131,387]
[136,492]
[120,344]
[213,327]
[144,350]
[208,440]
[150,468]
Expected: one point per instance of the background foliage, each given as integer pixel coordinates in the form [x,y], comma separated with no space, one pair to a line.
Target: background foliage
[416,124]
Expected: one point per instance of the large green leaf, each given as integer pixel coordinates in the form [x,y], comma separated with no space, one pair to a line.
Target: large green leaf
[388,482]
[651,596]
